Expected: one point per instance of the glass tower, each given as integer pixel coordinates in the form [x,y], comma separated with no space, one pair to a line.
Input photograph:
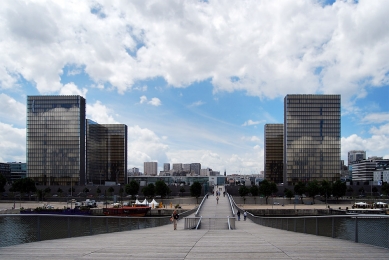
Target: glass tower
[311,138]
[106,152]
[274,138]
[56,140]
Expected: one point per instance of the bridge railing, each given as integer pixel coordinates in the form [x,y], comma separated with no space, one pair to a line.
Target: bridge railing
[367,229]
[210,223]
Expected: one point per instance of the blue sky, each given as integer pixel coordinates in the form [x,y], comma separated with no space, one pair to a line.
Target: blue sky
[195,81]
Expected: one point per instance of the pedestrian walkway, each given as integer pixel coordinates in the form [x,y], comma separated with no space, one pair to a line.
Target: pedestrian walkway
[248,241]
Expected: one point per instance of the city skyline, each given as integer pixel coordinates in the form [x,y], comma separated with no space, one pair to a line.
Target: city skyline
[197,81]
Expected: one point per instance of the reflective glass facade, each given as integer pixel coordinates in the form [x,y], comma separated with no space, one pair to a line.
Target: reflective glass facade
[106,152]
[56,139]
[274,139]
[311,138]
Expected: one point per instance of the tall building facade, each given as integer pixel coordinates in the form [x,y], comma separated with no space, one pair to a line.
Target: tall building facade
[312,126]
[274,139]
[355,156]
[106,152]
[166,167]
[195,168]
[56,140]
[150,168]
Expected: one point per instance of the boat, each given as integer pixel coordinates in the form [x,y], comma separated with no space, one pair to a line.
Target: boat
[357,211]
[66,211]
[127,211]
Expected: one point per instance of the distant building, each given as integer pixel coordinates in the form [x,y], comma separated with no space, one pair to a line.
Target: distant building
[18,170]
[186,167]
[274,138]
[195,168]
[364,171]
[311,138]
[355,156]
[5,170]
[150,168]
[177,167]
[166,167]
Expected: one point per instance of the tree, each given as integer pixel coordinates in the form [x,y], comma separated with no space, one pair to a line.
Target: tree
[132,188]
[243,192]
[288,193]
[46,191]
[60,191]
[25,185]
[98,191]
[374,190]
[299,189]
[195,190]
[182,190]
[339,189]
[254,192]
[161,188]
[325,188]
[85,190]
[3,181]
[111,190]
[267,188]
[149,190]
[385,189]
[313,189]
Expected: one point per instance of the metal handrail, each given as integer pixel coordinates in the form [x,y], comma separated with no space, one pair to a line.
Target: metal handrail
[199,222]
[229,224]
[232,207]
[201,204]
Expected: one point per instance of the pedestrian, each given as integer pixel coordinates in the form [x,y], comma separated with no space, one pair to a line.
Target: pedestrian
[245,215]
[217,200]
[238,214]
[174,218]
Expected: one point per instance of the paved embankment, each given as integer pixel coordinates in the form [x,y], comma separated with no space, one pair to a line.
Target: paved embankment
[248,241]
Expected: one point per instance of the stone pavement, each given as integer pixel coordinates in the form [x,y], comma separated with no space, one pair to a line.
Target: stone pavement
[247,241]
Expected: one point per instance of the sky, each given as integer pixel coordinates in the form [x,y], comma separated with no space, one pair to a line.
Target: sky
[196,81]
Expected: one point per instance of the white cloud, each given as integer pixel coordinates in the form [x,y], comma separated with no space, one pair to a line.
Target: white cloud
[251,122]
[154,101]
[283,51]
[100,113]
[12,144]
[375,118]
[12,110]
[197,104]
[72,89]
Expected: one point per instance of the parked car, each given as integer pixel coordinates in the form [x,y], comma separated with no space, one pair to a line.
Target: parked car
[276,203]
[55,195]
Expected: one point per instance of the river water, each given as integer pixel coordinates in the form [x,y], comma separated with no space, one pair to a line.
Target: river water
[18,229]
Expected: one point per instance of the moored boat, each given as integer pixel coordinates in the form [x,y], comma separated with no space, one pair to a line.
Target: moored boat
[127,211]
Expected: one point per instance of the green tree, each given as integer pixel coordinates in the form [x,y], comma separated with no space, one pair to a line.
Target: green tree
[374,190]
[3,181]
[132,188]
[313,189]
[195,190]
[385,189]
[325,188]
[289,194]
[98,191]
[121,191]
[46,192]
[71,190]
[182,190]
[243,192]
[60,191]
[25,185]
[161,189]
[254,190]
[267,188]
[85,190]
[149,190]
[339,189]
[111,190]
[300,189]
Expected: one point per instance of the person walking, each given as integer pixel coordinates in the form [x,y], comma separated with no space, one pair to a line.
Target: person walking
[174,218]
[238,214]
[245,215]
[217,200]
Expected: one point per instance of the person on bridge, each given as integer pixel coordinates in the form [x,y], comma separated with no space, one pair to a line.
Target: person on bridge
[217,200]
[245,215]
[174,218]
[238,214]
